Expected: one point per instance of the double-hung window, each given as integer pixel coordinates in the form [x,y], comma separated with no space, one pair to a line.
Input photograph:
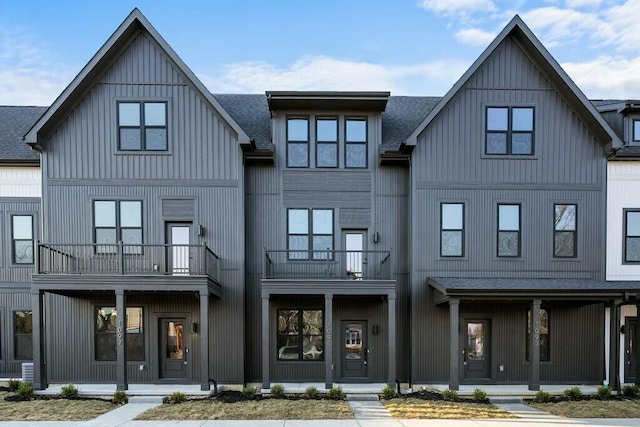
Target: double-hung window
[508,230]
[117,220]
[106,333]
[142,126]
[452,229]
[298,142]
[510,131]
[310,233]
[355,143]
[326,142]
[300,335]
[23,335]
[564,231]
[22,239]
[632,235]
[543,332]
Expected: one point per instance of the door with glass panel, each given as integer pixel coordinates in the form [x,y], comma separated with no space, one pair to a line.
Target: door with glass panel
[179,250]
[355,352]
[173,349]
[476,349]
[354,256]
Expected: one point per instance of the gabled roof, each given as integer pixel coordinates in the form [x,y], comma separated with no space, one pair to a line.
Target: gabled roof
[517,29]
[135,22]
[14,122]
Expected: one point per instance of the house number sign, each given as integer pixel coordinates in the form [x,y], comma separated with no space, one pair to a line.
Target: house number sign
[120,332]
[536,334]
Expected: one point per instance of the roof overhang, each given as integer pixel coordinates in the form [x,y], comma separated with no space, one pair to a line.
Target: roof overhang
[334,101]
[20,162]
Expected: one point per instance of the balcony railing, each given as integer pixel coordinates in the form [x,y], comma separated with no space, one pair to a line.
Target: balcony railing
[128,259]
[327,265]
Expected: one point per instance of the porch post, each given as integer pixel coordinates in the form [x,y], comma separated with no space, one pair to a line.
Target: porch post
[534,345]
[37,319]
[121,341]
[328,341]
[266,350]
[636,339]
[204,340]
[614,342]
[391,313]
[454,320]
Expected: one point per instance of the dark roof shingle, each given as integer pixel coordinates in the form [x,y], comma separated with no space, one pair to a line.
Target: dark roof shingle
[14,123]
[402,116]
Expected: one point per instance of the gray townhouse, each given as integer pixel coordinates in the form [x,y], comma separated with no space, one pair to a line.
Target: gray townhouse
[334,237]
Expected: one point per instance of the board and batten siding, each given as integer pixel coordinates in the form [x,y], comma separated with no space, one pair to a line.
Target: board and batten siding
[13,297]
[10,273]
[20,182]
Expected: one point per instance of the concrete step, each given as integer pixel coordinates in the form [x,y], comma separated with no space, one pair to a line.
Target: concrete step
[505,399]
[146,399]
[362,397]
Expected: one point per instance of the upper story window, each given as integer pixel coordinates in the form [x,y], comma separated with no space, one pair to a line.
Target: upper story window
[115,221]
[452,230]
[510,131]
[636,131]
[355,143]
[632,235]
[22,239]
[509,230]
[310,233]
[142,126]
[564,231]
[326,142]
[298,142]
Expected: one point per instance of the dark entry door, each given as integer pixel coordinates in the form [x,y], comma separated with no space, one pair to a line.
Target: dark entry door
[179,252]
[629,350]
[173,349]
[354,350]
[476,350]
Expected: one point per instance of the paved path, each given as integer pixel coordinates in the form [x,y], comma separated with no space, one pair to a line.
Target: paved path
[373,410]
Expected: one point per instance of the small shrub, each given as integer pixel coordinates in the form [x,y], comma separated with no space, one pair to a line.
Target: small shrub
[13,385]
[312,392]
[542,397]
[479,395]
[631,390]
[389,392]
[449,394]
[25,390]
[120,397]
[277,390]
[69,391]
[604,391]
[249,392]
[573,393]
[335,393]
[177,397]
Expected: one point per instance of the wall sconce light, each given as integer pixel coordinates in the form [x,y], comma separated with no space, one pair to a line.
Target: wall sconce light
[376,237]
[194,328]
[375,329]
[200,230]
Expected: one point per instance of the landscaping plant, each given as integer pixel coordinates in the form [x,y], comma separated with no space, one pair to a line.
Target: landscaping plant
[277,390]
[389,392]
[335,393]
[25,390]
[573,393]
[177,397]
[479,395]
[449,394]
[249,392]
[604,391]
[120,397]
[312,392]
[631,390]
[69,391]
[542,397]
[13,385]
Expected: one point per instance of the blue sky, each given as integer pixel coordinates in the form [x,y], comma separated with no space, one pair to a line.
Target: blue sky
[410,47]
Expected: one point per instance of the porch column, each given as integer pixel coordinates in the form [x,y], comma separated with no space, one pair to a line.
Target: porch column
[328,341]
[266,351]
[121,341]
[391,313]
[614,342]
[39,366]
[636,339]
[534,345]
[454,320]
[204,340]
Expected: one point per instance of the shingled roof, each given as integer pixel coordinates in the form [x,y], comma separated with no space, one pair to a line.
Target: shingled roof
[14,123]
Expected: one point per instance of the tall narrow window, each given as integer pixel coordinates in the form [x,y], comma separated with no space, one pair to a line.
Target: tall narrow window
[310,233]
[300,335]
[356,143]
[452,230]
[636,131]
[631,235]
[564,234]
[105,333]
[142,126]
[543,332]
[22,335]
[508,230]
[326,142]
[117,220]
[509,131]
[22,239]
[298,143]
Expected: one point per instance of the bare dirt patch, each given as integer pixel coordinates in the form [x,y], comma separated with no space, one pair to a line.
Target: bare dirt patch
[413,408]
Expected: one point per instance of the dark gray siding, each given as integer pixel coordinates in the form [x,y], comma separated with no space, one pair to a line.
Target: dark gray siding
[9,272]
[12,297]
[616,121]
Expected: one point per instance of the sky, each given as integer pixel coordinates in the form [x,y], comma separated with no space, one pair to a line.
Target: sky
[407,47]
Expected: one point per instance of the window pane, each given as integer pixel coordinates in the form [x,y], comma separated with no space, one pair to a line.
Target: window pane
[23,227]
[131,214]
[327,130]
[22,322]
[288,347]
[287,322]
[300,243]
[298,221]
[23,251]
[636,130]
[134,320]
[565,217]
[106,319]
[508,243]
[320,246]
[155,114]
[107,238]
[451,243]
[130,139]
[105,213]
[509,217]
[322,221]
[452,216]
[632,249]
[496,143]
[633,223]
[297,130]
[521,143]
[129,114]
[356,131]
[497,119]
[312,322]
[312,347]
[522,119]
[327,155]
[356,155]
[156,139]
[564,244]
[132,236]
[297,155]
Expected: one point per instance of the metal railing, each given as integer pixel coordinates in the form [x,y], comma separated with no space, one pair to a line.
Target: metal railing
[127,259]
[327,265]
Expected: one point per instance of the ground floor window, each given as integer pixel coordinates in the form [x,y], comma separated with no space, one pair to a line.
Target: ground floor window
[106,333]
[543,330]
[300,335]
[23,335]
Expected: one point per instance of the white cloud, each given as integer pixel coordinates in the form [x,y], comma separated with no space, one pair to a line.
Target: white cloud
[475,37]
[457,7]
[556,26]
[583,3]
[606,77]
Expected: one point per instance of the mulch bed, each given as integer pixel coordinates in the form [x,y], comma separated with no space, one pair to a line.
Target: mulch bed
[18,398]
[232,396]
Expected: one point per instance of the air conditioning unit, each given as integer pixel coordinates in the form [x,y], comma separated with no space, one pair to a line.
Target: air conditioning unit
[27,372]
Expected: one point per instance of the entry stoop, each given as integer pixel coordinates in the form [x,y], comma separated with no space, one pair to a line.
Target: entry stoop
[505,399]
[361,397]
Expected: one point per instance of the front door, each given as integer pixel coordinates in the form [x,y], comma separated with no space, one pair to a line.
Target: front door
[629,351]
[179,251]
[356,262]
[173,349]
[354,350]
[476,349]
